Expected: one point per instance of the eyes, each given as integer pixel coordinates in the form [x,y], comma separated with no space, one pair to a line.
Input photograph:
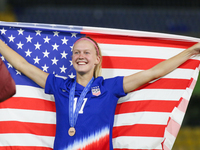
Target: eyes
[79,52]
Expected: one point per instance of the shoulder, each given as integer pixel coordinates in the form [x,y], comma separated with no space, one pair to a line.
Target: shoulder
[55,78]
[54,82]
[114,79]
[114,83]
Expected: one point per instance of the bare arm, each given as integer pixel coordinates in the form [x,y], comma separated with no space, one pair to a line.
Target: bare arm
[19,63]
[134,81]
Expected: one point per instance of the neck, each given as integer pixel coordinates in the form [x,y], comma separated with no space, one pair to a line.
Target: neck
[83,79]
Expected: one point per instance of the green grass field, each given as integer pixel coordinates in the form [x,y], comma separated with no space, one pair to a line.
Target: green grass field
[197,87]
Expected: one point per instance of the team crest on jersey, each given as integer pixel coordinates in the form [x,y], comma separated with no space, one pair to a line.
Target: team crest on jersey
[96,91]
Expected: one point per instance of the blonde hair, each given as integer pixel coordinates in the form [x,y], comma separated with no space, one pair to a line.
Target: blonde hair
[97,69]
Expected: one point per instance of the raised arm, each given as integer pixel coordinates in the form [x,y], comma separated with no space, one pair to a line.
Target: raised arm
[134,81]
[19,63]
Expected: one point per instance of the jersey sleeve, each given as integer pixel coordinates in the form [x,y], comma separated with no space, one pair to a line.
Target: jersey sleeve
[115,85]
[49,88]
[52,83]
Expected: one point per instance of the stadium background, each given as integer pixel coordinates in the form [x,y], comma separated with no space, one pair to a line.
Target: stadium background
[180,17]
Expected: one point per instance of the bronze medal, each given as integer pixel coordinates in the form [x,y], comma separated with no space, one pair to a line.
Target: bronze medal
[71,131]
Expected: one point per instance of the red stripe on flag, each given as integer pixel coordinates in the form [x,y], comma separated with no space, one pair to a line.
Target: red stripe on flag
[147,105]
[144,41]
[140,63]
[192,83]
[166,83]
[139,130]
[26,127]
[24,148]
[29,103]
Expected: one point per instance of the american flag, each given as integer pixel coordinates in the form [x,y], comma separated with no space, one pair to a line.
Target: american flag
[147,118]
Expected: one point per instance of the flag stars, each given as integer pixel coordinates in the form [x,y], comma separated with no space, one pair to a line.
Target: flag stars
[20,31]
[29,38]
[43,58]
[3,31]
[71,75]
[19,45]
[55,46]
[70,62]
[45,68]
[64,41]
[18,72]
[9,65]
[71,48]
[28,53]
[37,46]
[54,61]
[2,58]
[36,60]
[47,39]
[11,38]
[46,54]
[64,55]
[38,32]
[56,33]
[63,69]
[73,35]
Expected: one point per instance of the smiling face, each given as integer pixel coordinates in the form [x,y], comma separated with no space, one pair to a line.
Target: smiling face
[84,57]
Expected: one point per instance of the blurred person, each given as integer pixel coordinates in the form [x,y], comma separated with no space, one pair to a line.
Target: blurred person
[7,84]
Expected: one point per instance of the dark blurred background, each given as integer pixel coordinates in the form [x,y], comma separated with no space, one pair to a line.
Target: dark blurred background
[180,17]
[167,16]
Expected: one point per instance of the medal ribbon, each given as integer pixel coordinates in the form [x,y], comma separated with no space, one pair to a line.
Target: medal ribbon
[73,115]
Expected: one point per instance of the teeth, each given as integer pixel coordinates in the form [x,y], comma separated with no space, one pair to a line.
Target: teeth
[81,63]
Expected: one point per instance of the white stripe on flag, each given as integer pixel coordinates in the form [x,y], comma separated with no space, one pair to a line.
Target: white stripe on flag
[159,118]
[169,141]
[138,142]
[187,94]
[177,115]
[32,92]
[176,74]
[139,51]
[149,94]
[28,140]
[23,115]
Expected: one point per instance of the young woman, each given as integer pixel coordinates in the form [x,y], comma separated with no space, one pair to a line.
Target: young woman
[85,106]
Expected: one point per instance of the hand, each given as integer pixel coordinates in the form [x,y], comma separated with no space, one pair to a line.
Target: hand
[195,49]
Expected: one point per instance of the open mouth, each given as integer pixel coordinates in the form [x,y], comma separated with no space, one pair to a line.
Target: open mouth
[81,62]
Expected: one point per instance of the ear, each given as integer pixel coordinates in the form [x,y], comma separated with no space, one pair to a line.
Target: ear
[98,59]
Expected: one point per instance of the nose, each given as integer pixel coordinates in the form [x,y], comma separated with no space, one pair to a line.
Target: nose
[81,55]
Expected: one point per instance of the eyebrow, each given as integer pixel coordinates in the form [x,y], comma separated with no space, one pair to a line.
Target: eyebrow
[80,50]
